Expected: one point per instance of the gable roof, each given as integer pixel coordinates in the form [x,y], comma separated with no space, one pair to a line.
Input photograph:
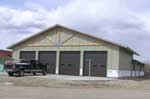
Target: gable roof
[81,33]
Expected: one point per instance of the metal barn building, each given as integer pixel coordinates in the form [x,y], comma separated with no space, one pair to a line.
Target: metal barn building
[70,52]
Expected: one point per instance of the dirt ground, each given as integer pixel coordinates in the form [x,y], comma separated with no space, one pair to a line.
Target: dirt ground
[42,88]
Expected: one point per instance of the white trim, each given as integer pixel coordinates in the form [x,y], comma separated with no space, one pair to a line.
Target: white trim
[37,55]
[142,73]
[133,73]
[81,71]
[137,73]
[81,62]
[57,62]
[124,73]
[112,73]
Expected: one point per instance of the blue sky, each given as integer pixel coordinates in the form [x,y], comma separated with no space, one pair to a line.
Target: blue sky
[123,21]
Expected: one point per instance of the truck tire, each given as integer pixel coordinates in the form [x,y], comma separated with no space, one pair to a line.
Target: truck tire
[10,74]
[21,73]
[44,73]
[34,73]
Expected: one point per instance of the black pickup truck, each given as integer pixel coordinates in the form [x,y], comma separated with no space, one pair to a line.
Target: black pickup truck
[23,66]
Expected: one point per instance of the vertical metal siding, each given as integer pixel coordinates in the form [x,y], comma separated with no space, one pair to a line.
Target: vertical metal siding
[69,63]
[27,55]
[49,58]
[98,65]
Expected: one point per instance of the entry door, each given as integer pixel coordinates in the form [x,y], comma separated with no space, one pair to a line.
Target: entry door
[49,58]
[27,55]
[69,63]
[96,62]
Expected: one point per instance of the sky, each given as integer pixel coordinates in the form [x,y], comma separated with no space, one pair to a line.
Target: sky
[123,21]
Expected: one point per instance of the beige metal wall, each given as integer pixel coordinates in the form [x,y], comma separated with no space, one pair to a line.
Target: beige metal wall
[60,39]
[125,59]
[113,52]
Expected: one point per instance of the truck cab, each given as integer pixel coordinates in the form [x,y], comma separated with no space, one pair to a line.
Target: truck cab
[25,66]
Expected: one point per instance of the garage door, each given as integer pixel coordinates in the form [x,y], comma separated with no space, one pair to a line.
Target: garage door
[97,62]
[48,57]
[69,63]
[27,55]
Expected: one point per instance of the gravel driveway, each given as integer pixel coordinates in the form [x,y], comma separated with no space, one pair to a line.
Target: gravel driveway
[43,88]
[13,92]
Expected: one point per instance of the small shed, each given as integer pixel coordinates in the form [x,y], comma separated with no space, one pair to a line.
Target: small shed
[137,68]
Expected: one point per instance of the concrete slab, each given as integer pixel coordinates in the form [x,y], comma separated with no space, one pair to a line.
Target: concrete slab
[76,78]
[3,73]
[67,77]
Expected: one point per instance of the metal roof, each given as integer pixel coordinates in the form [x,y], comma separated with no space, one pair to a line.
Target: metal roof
[137,62]
[55,26]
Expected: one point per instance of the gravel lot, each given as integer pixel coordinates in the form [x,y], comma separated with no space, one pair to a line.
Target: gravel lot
[42,88]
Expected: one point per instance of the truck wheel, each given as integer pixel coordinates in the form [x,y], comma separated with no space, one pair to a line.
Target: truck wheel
[44,73]
[21,73]
[34,73]
[10,74]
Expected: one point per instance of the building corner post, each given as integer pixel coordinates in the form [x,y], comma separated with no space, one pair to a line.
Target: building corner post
[37,55]
[57,62]
[81,62]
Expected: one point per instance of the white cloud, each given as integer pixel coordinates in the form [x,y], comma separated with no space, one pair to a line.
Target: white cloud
[114,20]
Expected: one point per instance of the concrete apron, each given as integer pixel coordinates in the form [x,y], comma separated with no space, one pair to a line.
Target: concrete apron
[67,77]
[76,78]
[3,73]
